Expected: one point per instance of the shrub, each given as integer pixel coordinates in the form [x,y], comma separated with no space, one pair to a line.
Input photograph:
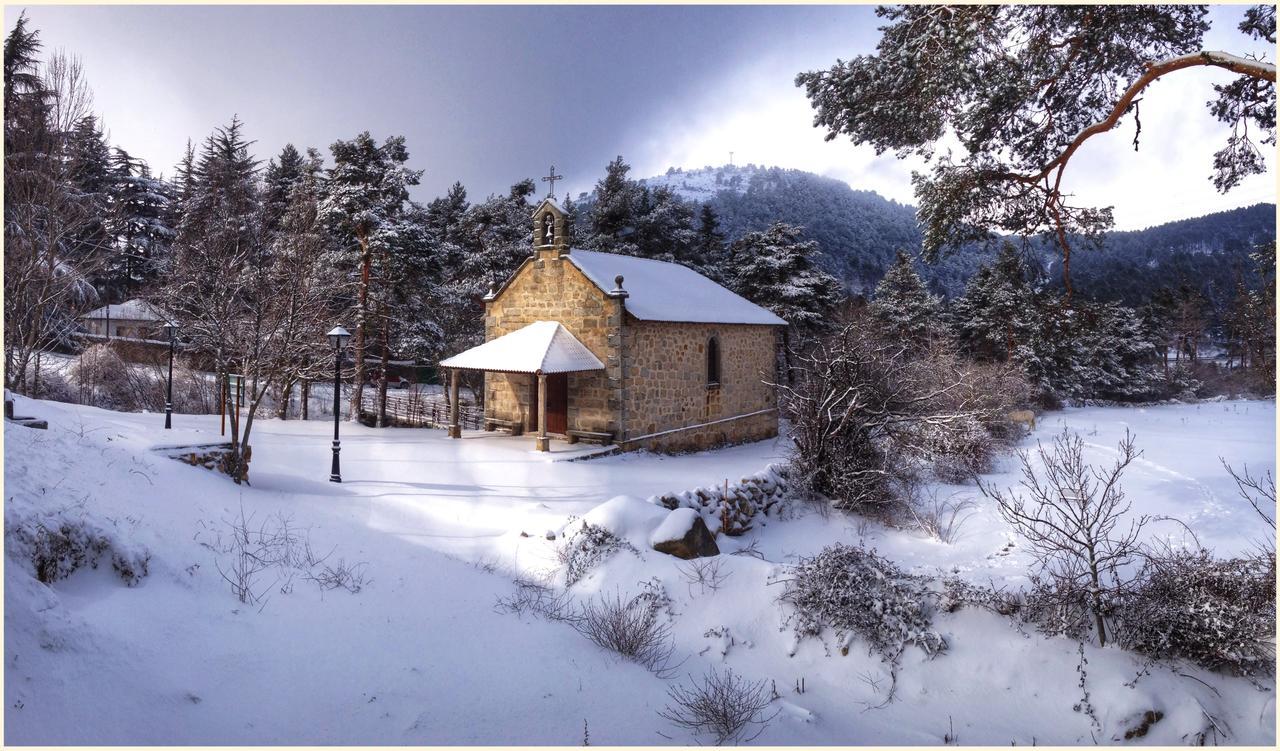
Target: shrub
[869,414]
[55,387]
[857,593]
[585,548]
[57,546]
[958,593]
[106,380]
[724,705]
[1220,614]
[631,627]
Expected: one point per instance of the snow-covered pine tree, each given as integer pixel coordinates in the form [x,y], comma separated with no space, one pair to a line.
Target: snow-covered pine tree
[44,215]
[366,190]
[613,216]
[710,245]
[138,224]
[570,220]
[902,302]
[278,180]
[665,227]
[996,313]
[89,170]
[312,291]
[444,214]
[211,284]
[776,270]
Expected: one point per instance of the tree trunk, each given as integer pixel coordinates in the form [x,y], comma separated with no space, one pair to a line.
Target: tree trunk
[306,397]
[358,347]
[386,358]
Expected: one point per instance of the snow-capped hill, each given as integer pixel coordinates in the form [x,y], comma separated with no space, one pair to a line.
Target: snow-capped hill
[704,183]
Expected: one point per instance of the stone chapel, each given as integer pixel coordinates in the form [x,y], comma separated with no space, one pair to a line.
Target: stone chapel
[584,345]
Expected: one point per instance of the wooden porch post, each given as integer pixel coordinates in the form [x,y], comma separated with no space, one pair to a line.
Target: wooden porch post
[455,430]
[542,443]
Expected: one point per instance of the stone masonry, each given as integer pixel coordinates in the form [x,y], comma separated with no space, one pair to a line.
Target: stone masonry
[653,392]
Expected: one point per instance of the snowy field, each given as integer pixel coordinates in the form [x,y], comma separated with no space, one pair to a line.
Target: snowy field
[442,528]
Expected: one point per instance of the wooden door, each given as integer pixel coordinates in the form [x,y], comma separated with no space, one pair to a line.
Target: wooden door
[557,403]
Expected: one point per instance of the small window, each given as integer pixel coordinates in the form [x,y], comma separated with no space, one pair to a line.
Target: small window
[713,362]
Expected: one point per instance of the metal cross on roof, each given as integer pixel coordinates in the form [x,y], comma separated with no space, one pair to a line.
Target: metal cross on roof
[552,179]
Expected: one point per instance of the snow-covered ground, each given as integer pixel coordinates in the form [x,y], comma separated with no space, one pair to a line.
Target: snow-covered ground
[421,656]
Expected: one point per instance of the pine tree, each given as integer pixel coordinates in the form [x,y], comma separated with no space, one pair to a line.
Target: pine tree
[138,225]
[45,218]
[279,179]
[711,241]
[210,285]
[996,314]
[445,214]
[367,189]
[613,217]
[775,269]
[90,171]
[902,301]
[664,227]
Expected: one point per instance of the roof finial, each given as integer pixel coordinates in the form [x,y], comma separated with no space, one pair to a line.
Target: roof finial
[618,291]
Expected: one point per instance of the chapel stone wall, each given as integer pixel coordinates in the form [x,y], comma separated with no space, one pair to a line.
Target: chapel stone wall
[550,288]
[667,389]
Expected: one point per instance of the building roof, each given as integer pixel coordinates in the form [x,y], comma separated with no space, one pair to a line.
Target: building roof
[544,346]
[663,291]
[133,310]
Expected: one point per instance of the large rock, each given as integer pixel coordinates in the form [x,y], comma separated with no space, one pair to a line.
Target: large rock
[684,535]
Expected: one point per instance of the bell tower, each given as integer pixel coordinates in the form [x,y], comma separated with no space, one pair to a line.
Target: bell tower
[549,231]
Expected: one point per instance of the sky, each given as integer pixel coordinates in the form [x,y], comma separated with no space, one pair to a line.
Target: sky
[491,95]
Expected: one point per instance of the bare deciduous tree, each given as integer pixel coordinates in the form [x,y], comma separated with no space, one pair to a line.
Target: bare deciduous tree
[1076,519]
[72,99]
[1259,491]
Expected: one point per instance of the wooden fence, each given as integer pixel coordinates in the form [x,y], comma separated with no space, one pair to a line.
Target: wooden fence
[414,409]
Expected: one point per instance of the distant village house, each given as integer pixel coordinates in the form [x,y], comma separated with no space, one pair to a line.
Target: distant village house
[135,319]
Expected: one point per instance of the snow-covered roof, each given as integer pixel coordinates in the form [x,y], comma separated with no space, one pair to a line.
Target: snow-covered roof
[549,200]
[662,291]
[541,346]
[133,310]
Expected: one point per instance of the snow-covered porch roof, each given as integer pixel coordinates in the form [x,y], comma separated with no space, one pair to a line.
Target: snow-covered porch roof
[541,347]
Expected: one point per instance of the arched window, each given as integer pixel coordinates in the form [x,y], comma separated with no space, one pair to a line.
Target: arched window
[713,362]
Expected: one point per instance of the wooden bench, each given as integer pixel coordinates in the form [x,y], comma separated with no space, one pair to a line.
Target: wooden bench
[511,426]
[587,435]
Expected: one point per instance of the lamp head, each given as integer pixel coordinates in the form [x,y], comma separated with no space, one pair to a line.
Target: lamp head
[338,337]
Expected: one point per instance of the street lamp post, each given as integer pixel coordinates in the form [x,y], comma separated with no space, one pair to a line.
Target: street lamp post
[171,329]
[337,338]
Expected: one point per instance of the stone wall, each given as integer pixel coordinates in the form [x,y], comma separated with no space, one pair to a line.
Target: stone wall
[667,389]
[753,427]
[550,288]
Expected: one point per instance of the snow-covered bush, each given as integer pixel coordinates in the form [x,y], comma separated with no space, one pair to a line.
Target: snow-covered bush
[732,508]
[723,705]
[55,387]
[56,545]
[869,415]
[855,592]
[956,451]
[106,380]
[632,627]
[1220,614]
[585,548]
[958,593]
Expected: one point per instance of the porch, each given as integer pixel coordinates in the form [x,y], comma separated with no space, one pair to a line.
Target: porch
[536,365]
